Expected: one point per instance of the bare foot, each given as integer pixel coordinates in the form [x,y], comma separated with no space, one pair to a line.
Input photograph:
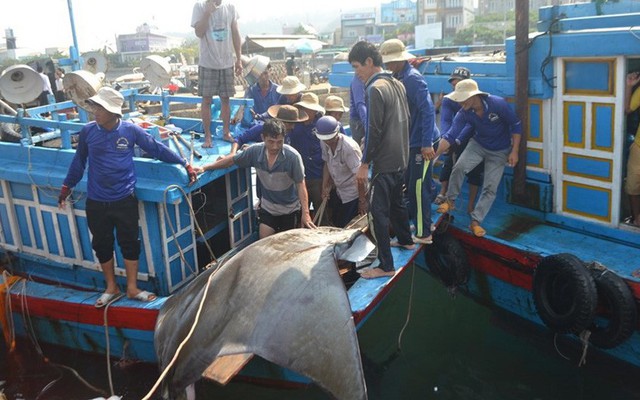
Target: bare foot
[207,143]
[395,243]
[228,138]
[376,273]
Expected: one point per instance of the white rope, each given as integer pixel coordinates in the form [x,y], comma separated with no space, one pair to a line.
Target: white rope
[406,323]
[106,336]
[555,344]
[185,340]
[584,338]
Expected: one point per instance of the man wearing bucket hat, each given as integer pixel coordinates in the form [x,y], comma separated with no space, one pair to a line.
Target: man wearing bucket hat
[216,25]
[262,90]
[283,197]
[386,146]
[423,134]
[449,109]
[341,156]
[305,141]
[334,107]
[109,143]
[496,141]
[290,92]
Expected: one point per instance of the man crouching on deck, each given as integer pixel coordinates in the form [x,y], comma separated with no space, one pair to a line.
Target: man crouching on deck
[284,201]
[386,146]
[109,143]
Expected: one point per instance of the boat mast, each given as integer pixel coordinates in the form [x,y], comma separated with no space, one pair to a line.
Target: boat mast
[522,97]
[74,53]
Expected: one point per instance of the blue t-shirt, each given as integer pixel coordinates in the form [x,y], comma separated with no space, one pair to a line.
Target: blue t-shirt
[111,173]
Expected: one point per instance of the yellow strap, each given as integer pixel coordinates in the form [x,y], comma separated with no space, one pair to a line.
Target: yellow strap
[6,314]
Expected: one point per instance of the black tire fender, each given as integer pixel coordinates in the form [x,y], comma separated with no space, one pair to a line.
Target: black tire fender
[564,293]
[616,313]
[447,259]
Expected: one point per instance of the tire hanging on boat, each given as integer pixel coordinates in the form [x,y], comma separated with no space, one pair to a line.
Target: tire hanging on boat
[447,259]
[616,302]
[564,293]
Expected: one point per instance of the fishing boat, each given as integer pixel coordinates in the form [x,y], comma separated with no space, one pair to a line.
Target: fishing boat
[559,251]
[50,276]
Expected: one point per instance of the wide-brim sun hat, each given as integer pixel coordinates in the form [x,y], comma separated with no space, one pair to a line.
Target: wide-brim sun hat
[326,128]
[464,90]
[109,98]
[310,101]
[394,50]
[460,73]
[286,113]
[291,85]
[335,103]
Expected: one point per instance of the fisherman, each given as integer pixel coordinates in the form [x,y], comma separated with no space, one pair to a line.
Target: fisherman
[386,146]
[496,141]
[43,99]
[290,93]
[290,65]
[307,144]
[341,156]
[334,107]
[109,143]
[632,181]
[449,109]
[358,115]
[264,92]
[283,200]
[60,96]
[423,136]
[216,25]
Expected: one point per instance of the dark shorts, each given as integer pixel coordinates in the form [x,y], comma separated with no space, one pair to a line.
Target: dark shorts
[216,82]
[280,223]
[105,217]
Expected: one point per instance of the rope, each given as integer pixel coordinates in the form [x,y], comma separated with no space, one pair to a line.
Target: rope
[584,338]
[106,336]
[555,344]
[185,340]
[320,212]
[406,323]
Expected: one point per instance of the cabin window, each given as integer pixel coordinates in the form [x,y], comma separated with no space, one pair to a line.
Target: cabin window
[585,77]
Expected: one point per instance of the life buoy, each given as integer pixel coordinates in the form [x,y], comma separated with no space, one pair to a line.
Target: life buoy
[564,293]
[447,259]
[616,314]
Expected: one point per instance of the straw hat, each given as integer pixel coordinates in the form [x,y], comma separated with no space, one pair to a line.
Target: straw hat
[291,85]
[394,50]
[464,89]
[326,128]
[460,73]
[109,98]
[286,113]
[310,101]
[335,103]
[254,67]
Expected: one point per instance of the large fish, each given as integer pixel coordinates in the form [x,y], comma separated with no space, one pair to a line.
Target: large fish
[280,298]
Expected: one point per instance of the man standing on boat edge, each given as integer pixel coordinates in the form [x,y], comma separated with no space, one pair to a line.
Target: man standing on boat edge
[216,25]
[111,202]
[386,146]
[496,142]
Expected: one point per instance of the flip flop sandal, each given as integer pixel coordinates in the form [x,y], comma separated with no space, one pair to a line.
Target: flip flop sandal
[106,298]
[144,296]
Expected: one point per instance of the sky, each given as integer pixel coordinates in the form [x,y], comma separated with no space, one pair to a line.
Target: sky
[39,24]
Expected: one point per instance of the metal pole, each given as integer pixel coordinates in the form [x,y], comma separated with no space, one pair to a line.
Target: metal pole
[75,52]
[522,96]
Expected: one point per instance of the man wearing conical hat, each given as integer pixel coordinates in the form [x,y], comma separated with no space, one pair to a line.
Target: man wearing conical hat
[496,142]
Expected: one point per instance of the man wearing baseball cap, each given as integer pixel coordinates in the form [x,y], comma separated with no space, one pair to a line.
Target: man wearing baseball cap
[109,143]
[341,156]
[496,141]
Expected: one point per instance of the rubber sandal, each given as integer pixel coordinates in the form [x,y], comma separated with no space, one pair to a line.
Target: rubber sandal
[440,199]
[445,207]
[477,230]
[395,243]
[106,298]
[144,296]
[423,239]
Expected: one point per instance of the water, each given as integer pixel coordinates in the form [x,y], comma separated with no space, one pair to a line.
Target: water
[452,349]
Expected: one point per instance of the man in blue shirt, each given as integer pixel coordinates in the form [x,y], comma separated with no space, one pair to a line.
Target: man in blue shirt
[358,115]
[496,141]
[423,134]
[111,203]
[263,91]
